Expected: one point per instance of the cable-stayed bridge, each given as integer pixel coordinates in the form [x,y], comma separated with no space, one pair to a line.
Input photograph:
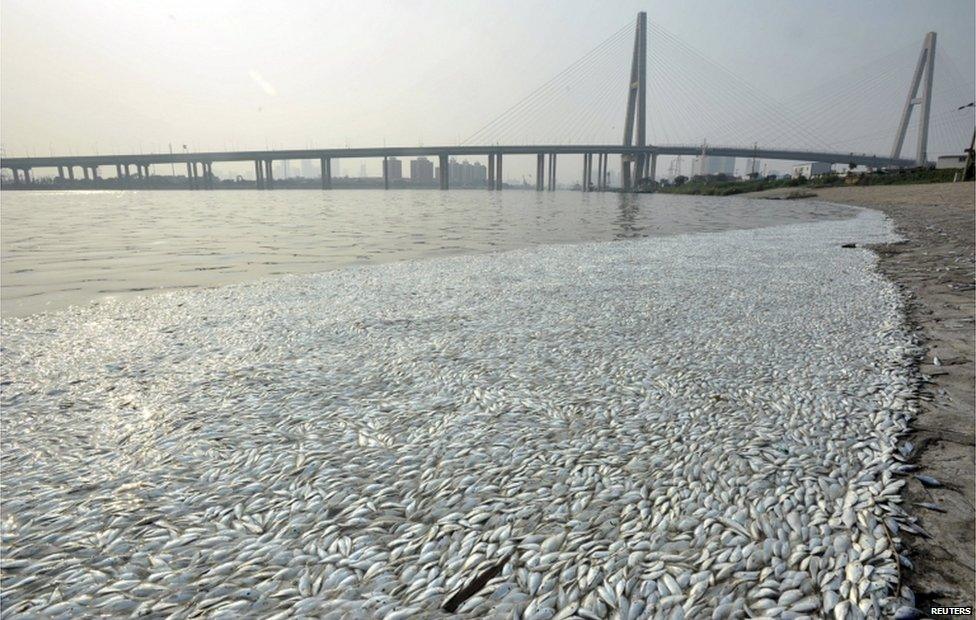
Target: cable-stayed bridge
[668,100]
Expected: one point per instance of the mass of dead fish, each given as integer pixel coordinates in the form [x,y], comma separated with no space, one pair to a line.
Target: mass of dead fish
[701,426]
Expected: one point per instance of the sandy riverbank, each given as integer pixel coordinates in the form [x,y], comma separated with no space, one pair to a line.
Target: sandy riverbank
[935,266]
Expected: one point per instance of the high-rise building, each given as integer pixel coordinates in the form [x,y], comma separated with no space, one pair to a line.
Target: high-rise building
[421,170]
[705,165]
[464,174]
[394,169]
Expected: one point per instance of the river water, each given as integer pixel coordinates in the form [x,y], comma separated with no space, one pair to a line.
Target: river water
[67,248]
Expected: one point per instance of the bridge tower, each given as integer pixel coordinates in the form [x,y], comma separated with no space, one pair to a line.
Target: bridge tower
[926,65]
[632,167]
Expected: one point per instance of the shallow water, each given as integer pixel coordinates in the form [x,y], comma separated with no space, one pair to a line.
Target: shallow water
[66,248]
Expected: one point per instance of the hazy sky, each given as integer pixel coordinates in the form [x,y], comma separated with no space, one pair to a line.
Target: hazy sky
[117,76]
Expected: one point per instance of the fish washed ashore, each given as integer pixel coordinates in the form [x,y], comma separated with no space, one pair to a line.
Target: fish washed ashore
[692,426]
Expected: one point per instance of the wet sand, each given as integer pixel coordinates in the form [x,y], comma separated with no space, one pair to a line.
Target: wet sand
[935,267]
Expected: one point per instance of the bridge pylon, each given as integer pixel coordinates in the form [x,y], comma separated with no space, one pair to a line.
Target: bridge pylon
[926,66]
[632,167]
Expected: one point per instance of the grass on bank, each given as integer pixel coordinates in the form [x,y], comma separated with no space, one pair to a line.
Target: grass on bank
[720,185]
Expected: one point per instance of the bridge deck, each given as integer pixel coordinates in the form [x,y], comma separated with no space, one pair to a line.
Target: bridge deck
[861,159]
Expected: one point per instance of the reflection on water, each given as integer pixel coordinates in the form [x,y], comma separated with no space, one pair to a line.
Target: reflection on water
[61,248]
[626,222]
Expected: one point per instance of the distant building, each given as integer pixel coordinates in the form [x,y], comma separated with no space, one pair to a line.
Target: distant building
[950,162]
[812,169]
[705,165]
[422,170]
[394,169]
[464,174]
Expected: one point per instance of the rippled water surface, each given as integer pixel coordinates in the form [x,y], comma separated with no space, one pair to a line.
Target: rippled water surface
[64,248]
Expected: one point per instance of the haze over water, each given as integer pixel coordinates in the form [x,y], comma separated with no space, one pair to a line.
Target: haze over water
[66,248]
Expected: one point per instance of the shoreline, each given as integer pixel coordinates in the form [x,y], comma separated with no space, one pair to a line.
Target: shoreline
[934,269]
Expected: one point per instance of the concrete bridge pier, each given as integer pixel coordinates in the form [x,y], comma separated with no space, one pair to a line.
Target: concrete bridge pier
[540,170]
[258,177]
[85,170]
[189,176]
[652,174]
[552,172]
[445,172]
[94,173]
[16,174]
[491,171]
[386,173]
[61,173]
[325,165]
[587,171]
[268,174]
[118,173]
[499,183]
[71,173]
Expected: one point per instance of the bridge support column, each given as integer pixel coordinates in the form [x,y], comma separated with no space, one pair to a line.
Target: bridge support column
[653,172]
[499,179]
[61,173]
[258,181]
[16,174]
[926,65]
[27,176]
[552,172]
[540,171]
[71,173]
[189,176]
[268,174]
[587,166]
[85,170]
[445,172]
[386,175]
[491,171]
[325,164]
